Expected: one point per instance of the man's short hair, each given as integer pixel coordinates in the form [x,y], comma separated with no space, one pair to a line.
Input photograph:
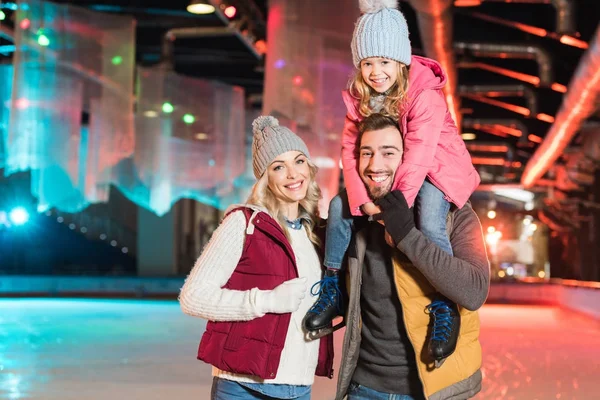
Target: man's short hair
[375,122]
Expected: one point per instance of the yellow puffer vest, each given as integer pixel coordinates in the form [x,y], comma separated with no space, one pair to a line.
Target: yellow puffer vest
[455,377]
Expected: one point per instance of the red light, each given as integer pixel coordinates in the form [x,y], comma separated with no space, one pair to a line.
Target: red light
[467,3]
[535,139]
[297,80]
[261,47]
[22,103]
[571,41]
[26,23]
[545,118]
[557,87]
[230,12]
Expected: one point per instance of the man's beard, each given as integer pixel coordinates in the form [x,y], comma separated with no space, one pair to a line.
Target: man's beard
[377,192]
[380,191]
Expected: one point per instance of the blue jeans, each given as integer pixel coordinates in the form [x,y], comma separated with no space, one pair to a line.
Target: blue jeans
[431,213]
[339,230]
[360,392]
[223,389]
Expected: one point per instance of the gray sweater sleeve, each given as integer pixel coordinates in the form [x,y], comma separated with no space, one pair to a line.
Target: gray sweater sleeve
[464,278]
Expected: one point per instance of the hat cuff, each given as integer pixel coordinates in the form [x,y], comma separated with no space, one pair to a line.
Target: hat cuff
[382,44]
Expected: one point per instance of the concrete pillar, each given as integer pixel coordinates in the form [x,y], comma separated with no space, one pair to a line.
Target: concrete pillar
[157,243]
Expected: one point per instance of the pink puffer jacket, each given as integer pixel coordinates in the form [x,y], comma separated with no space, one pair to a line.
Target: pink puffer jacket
[432,146]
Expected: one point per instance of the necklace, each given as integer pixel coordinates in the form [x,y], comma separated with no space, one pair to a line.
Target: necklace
[295,224]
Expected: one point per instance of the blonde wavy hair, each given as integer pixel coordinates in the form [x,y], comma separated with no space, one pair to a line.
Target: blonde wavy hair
[394,100]
[262,196]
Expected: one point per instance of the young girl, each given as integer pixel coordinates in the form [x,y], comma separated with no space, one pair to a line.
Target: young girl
[436,169]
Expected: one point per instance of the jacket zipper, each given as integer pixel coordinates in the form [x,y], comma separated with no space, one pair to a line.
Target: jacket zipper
[347,335]
[287,248]
[293,259]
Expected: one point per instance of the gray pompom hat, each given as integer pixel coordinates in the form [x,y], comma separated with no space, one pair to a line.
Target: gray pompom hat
[270,140]
[381,31]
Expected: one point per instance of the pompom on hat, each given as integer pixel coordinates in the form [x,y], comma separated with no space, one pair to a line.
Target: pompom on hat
[271,140]
[381,31]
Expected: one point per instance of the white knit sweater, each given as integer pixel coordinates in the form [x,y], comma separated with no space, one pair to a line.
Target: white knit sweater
[202,295]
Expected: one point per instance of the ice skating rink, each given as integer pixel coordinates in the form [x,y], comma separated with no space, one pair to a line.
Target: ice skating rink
[145,349]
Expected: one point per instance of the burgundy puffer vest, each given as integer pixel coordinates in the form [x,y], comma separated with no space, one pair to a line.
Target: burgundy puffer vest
[254,347]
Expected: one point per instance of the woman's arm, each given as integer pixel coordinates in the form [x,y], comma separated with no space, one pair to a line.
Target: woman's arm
[203,295]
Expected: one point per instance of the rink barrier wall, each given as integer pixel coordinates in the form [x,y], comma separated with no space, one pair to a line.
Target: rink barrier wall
[583,297]
[579,296]
[80,286]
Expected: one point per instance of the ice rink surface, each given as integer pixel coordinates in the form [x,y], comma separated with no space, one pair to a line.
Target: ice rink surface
[67,349]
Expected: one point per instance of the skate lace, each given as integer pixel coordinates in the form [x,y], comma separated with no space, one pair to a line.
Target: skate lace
[442,320]
[327,289]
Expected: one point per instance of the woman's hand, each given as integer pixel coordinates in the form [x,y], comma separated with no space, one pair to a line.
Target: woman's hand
[285,298]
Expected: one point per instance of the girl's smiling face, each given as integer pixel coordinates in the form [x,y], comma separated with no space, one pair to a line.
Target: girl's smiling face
[379,73]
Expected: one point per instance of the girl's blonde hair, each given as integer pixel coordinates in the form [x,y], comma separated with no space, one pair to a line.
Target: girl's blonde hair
[262,196]
[393,101]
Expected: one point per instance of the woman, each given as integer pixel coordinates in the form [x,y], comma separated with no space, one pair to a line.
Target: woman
[251,280]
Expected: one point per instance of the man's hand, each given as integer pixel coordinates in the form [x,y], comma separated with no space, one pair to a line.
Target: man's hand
[397,217]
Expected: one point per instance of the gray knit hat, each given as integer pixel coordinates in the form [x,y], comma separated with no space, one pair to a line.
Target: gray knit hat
[380,32]
[270,140]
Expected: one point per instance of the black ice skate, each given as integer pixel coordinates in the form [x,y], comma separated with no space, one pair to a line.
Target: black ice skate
[445,330]
[318,320]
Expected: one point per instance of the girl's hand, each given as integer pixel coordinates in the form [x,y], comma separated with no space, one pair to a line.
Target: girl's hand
[370,208]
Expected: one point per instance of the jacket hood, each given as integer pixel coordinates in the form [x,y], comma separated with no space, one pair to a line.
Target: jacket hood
[425,73]
[253,207]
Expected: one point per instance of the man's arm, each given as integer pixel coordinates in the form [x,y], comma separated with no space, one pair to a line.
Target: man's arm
[464,278]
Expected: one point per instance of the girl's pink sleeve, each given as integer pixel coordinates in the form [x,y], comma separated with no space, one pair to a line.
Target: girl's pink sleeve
[355,187]
[425,123]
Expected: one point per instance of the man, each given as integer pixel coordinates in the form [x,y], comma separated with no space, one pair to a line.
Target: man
[384,352]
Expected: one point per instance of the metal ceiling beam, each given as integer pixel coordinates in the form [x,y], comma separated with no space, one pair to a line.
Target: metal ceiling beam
[532,30]
[565,12]
[504,91]
[530,79]
[498,50]
[580,101]
[510,127]
[231,29]
[172,35]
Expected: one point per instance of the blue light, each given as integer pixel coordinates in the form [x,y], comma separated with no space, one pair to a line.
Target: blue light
[4,219]
[19,216]
[10,6]
[280,63]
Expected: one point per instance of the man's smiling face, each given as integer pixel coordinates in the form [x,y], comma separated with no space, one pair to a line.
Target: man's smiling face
[380,155]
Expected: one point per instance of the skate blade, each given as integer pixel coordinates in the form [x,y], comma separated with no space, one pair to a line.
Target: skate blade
[438,363]
[319,333]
